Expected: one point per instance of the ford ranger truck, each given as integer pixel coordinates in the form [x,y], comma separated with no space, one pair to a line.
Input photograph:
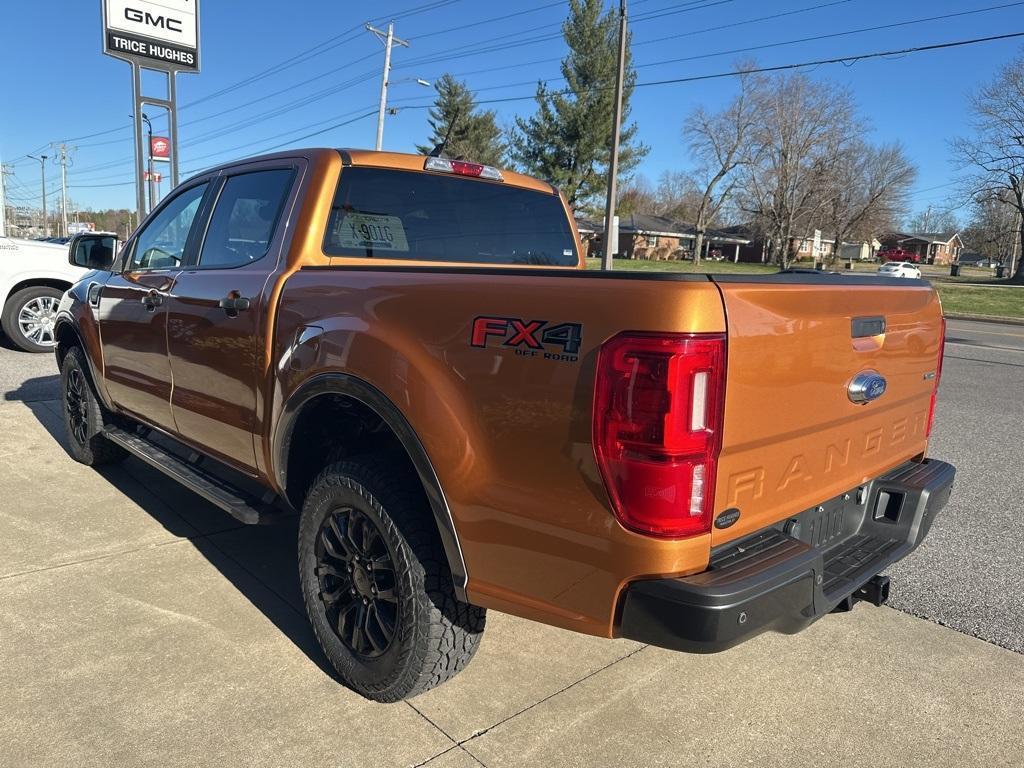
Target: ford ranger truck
[407,352]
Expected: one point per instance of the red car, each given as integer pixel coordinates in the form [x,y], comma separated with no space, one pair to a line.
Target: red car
[898,254]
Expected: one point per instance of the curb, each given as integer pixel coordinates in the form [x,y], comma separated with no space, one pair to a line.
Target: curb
[984,318]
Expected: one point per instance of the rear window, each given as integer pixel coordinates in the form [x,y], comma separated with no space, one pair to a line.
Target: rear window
[387,214]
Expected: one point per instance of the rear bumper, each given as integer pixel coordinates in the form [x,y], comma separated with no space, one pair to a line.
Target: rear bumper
[785,577]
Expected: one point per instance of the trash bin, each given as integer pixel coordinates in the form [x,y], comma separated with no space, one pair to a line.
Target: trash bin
[849,265]
[999,272]
[954,270]
[819,265]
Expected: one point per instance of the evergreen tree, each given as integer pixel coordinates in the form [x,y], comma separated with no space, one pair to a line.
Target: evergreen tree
[475,137]
[568,140]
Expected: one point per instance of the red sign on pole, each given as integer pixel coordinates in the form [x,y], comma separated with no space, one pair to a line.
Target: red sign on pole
[146,176]
[159,148]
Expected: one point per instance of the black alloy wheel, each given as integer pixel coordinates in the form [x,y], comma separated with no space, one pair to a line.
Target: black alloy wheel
[76,404]
[356,573]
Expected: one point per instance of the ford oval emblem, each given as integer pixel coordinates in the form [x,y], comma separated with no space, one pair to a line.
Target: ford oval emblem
[865,387]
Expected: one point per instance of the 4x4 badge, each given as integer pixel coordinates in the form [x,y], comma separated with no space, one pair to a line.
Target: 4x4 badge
[529,338]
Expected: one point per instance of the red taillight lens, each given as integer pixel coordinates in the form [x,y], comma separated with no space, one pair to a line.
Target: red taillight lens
[938,375]
[658,429]
[466,169]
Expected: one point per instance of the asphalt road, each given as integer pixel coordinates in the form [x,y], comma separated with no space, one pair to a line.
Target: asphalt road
[967,575]
[968,572]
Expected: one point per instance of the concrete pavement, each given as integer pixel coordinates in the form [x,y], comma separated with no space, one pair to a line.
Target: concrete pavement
[141,626]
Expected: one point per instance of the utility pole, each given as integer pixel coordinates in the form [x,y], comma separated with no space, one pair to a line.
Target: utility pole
[5,171]
[42,181]
[1015,254]
[63,159]
[610,229]
[389,40]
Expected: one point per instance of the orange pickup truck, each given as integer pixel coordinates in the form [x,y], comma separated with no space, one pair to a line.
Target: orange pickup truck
[408,352]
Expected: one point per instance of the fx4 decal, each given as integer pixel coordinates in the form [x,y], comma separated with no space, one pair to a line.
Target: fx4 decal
[529,338]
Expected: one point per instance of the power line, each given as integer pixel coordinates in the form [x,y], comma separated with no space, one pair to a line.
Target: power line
[848,60]
[309,53]
[830,35]
[776,68]
[487,45]
[690,33]
[768,45]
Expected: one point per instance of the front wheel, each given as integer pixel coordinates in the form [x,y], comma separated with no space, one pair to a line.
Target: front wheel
[83,415]
[377,586]
[28,318]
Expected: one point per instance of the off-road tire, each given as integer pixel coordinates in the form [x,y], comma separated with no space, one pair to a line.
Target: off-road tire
[12,309]
[84,415]
[435,634]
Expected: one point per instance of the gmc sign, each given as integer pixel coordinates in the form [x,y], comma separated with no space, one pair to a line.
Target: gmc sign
[157,35]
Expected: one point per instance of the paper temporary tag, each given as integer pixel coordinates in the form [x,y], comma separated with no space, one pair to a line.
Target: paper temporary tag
[372,231]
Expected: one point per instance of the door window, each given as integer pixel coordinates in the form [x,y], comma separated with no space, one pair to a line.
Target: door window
[244,218]
[161,245]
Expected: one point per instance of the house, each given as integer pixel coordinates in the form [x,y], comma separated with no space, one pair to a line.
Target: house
[864,251]
[644,236]
[972,259]
[756,247]
[931,247]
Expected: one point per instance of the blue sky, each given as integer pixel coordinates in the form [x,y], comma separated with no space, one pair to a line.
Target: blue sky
[55,84]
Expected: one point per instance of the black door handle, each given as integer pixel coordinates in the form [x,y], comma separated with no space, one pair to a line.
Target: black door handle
[152,300]
[234,303]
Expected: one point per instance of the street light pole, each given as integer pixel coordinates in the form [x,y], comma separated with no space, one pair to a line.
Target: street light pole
[42,180]
[613,167]
[389,40]
[149,164]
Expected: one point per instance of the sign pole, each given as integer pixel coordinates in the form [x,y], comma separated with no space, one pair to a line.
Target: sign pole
[172,123]
[159,36]
[140,190]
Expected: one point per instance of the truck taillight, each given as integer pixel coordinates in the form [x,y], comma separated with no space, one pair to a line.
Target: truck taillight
[938,375]
[462,168]
[658,408]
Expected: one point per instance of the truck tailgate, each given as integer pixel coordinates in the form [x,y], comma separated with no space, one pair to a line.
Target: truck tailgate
[793,437]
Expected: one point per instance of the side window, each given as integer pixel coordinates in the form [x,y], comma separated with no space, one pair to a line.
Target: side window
[244,218]
[161,245]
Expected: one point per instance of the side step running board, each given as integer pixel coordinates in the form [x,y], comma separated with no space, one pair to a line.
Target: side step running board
[237,503]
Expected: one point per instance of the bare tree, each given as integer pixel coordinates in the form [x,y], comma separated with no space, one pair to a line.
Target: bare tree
[677,196]
[721,144]
[867,191]
[994,155]
[637,196]
[993,227]
[934,218]
[802,126]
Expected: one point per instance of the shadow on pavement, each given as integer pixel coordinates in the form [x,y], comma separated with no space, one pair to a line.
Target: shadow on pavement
[261,562]
[39,388]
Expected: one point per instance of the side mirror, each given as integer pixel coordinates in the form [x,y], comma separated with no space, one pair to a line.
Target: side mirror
[92,250]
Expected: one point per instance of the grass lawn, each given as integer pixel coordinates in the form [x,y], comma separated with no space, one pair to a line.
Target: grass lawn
[720,267]
[957,294]
[997,301]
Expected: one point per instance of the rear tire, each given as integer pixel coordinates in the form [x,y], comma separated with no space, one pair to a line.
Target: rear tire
[376,583]
[84,415]
[28,318]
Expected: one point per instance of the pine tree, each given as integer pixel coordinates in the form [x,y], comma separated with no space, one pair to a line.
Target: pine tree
[568,140]
[475,136]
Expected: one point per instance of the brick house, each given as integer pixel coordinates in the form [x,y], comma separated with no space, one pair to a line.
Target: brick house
[643,236]
[932,247]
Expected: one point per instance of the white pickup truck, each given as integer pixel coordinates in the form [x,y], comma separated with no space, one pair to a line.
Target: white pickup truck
[33,277]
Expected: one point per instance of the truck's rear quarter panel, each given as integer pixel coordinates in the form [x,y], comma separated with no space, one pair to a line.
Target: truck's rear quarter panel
[509,435]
